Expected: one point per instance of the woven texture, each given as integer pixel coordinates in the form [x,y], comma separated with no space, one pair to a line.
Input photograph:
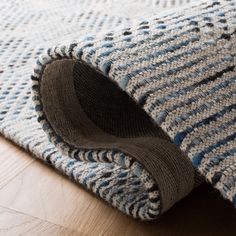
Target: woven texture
[179,67]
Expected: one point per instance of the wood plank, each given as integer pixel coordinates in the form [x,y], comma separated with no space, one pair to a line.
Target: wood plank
[41,192]
[13,160]
[16,223]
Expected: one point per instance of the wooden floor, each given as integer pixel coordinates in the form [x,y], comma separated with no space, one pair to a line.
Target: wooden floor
[35,200]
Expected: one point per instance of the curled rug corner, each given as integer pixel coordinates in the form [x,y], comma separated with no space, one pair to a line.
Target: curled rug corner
[146,108]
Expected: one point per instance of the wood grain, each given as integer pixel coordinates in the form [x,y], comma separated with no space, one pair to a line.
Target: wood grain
[13,160]
[40,192]
[16,223]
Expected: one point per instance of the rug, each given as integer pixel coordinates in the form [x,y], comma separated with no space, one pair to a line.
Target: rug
[134,101]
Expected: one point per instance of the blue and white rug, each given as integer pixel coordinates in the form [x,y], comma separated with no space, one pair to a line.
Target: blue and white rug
[137,99]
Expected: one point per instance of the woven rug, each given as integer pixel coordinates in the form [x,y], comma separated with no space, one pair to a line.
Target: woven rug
[134,101]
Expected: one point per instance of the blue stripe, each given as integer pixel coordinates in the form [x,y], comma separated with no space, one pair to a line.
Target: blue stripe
[178,119]
[172,59]
[217,159]
[198,158]
[121,49]
[88,59]
[216,130]
[118,49]
[142,99]
[180,136]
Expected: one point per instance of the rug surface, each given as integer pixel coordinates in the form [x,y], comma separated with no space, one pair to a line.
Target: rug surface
[132,100]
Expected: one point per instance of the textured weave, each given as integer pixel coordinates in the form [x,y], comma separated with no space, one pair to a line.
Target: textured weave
[179,67]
